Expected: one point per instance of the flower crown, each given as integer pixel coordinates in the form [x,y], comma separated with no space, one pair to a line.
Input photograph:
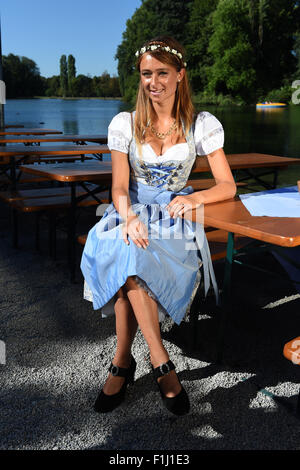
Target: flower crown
[153,47]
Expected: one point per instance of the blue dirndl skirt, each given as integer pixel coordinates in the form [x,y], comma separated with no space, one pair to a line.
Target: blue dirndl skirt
[169,266]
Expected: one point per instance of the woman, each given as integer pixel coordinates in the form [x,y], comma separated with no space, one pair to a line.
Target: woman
[143,255]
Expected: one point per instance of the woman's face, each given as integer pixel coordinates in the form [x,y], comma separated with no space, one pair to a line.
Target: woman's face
[159,80]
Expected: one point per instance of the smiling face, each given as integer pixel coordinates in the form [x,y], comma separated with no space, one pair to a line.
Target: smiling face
[159,80]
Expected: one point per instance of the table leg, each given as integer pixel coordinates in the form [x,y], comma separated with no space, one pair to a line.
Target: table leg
[13,173]
[225,297]
[72,234]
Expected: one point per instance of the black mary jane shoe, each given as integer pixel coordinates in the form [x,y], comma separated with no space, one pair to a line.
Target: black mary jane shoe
[178,405]
[106,403]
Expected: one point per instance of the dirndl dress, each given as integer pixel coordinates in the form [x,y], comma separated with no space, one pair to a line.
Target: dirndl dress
[171,267]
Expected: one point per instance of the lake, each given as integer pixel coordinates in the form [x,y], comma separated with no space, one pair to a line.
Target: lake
[274,131]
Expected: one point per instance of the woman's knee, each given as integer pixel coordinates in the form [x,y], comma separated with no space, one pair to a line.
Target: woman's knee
[130,284]
[122,294]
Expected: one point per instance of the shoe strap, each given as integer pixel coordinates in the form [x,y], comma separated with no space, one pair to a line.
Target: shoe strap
[163,369]
[117,371]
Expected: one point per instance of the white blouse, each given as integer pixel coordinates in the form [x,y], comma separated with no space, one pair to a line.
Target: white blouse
[208,137]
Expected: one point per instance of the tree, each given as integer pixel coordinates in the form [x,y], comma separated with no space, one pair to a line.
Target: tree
[53,86]
[232,71]
[197,35]
[273,27]
[71,73]
[63,76]
[22,77]
[83,86]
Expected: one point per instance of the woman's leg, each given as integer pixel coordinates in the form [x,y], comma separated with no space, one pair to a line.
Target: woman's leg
[146,313]
[126,327]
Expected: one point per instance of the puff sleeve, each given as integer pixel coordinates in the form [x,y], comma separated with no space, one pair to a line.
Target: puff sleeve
[208,134]
[120,133]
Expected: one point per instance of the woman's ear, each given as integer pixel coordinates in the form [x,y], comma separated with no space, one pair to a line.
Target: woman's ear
[180,74]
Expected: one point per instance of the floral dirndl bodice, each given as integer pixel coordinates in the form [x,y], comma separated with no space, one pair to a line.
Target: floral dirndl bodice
[172,169]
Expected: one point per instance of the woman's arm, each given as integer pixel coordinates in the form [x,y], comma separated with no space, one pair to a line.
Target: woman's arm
[120,196]
[120,184]
[225,187]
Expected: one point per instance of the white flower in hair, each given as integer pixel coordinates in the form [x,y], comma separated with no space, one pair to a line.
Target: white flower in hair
[167,48]
[179,55]
[137,53]
[153,48]
[174,51]
[143,50]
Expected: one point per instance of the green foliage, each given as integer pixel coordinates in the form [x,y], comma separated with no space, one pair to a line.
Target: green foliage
[64,75]
[52,85]
[22,77]
[280,95]
[197,33]
[71,74]
[23,80]
[82,86]
[106,86]
[233,69]
[210,98]
[237,50]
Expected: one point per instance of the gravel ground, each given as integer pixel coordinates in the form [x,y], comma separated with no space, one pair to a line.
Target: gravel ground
[58,350]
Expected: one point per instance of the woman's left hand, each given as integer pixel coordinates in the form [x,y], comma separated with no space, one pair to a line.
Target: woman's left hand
[182,204]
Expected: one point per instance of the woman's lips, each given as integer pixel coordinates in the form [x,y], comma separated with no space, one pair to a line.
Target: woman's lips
[155,92]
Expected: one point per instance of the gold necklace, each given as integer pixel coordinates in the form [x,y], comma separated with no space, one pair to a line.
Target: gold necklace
[163,135]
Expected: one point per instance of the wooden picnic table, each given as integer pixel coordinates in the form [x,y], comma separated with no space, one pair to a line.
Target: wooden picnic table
[72,172]
[75,174]
[275,233]
[232,216]
[236,161]
[18,154]
[245,164]
[27,139]
[27,131]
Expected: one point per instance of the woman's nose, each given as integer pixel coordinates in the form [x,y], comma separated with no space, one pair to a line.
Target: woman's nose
[154,79]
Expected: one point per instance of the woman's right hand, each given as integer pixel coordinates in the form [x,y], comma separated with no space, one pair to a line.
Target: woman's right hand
[137,231]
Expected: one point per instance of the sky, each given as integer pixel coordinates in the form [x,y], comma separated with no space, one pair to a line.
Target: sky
[43,31]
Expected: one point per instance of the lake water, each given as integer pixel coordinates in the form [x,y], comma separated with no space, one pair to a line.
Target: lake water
[273,131]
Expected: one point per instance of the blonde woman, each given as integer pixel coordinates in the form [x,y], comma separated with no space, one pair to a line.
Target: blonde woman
[144,256]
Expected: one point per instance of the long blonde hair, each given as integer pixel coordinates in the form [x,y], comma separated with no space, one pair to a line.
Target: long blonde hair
[183,108]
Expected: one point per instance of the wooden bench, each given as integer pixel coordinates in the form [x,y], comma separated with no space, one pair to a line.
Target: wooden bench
[27,177]
[51,201]
[63,159]
[10,196]
[22,178]
[291,351]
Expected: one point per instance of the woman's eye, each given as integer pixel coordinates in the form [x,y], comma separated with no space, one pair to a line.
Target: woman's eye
[146,74]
